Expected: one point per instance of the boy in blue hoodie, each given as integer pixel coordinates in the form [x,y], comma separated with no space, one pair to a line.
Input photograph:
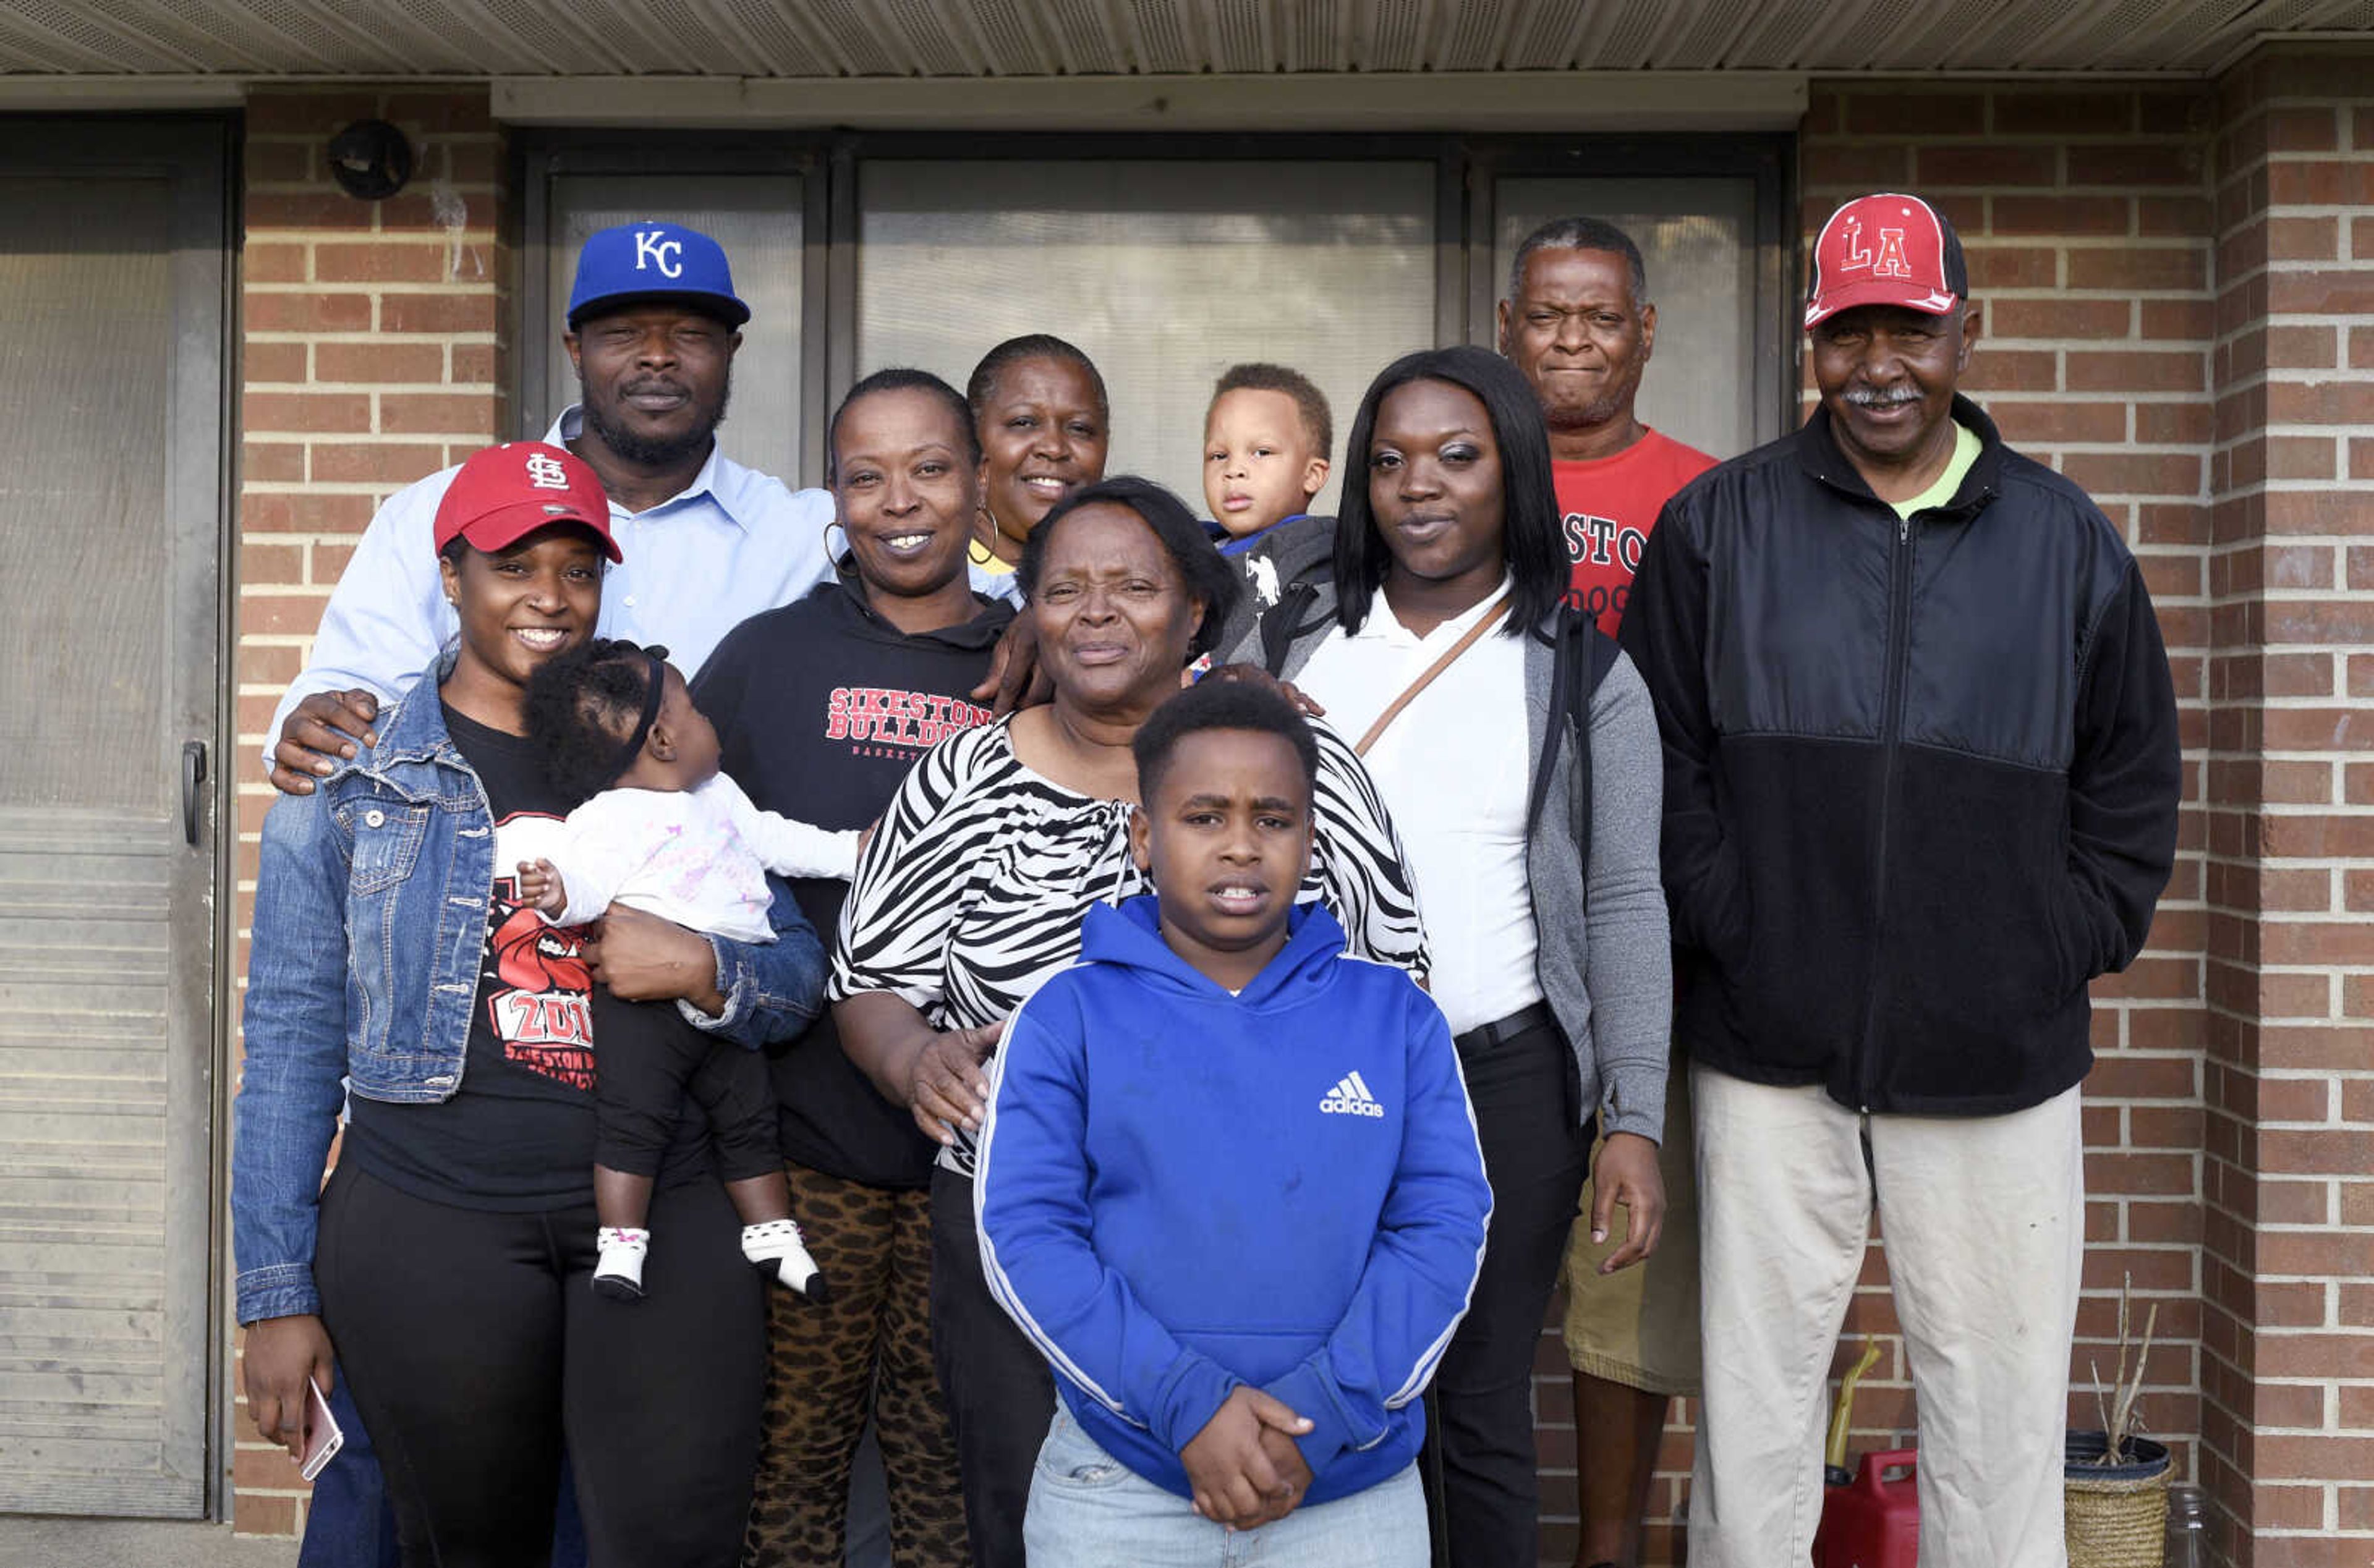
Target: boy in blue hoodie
[1230,1185]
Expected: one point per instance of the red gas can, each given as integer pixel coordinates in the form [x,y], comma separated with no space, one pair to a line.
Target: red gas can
[1875,1522]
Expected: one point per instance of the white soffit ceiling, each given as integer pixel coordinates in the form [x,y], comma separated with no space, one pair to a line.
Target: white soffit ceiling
[1042,38]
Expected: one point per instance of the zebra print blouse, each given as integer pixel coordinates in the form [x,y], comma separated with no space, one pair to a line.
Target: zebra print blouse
[973,889]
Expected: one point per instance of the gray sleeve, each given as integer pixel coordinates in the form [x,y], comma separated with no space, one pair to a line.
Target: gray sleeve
[1631,958]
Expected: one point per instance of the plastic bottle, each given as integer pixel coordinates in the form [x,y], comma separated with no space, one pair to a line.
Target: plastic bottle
[2188,1527]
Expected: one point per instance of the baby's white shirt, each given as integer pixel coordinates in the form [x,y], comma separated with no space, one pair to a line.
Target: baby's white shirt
[697,857]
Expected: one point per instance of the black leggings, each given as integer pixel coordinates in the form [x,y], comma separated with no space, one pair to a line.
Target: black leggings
[474,1343]
[1480,1453]
[1000,1395]
[651,1060]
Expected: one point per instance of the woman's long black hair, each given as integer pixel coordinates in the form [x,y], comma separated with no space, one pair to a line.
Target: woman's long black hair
[1532,540]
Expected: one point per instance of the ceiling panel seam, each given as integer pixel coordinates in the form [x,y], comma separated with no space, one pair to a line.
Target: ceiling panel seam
[477,44]
[122,32]
[335,28]
[889,32]
[731,31]
[595,42]
[976,40]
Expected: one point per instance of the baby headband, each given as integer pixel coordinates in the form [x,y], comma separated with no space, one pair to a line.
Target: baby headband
[657,689]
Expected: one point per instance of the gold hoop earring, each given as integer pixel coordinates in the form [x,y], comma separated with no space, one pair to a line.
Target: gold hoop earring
[986,533]
[848,547]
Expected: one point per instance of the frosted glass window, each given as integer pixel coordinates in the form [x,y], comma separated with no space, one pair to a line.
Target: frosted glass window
[1164,272]
[1698,238]
[86,305]
[757,218]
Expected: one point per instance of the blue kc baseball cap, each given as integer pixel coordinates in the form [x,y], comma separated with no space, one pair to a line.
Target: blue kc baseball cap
[654,261]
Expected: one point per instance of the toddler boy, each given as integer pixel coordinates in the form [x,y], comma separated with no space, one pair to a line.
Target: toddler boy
[1267,437]
[1230,1185]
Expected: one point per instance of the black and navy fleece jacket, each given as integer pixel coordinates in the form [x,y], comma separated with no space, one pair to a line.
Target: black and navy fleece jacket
[1181,1190]
[1921,775]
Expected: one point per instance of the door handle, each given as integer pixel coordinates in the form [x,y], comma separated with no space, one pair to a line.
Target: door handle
[193,774]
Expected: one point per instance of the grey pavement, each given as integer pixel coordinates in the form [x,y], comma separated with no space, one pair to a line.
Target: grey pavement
[39,1542]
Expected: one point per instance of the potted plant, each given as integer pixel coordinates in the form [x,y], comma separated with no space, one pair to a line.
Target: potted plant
[2114,1480]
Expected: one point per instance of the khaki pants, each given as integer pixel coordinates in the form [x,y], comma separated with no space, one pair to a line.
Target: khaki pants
[1638,1326]
[1985,1223]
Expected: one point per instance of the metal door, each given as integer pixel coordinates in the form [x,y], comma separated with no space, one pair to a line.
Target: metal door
[111,508]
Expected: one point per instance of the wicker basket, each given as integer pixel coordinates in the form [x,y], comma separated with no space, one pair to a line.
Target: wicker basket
[2116,1515]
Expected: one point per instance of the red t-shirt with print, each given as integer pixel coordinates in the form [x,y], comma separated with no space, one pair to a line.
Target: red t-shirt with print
[1610,504]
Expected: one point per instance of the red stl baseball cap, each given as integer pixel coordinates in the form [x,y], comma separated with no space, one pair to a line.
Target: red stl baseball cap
[506,493]
[1887,249]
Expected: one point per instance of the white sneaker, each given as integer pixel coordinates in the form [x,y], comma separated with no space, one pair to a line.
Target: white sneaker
[620,1272]
[776,1244]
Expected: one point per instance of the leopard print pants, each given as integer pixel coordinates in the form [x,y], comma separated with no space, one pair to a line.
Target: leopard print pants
[871,1343]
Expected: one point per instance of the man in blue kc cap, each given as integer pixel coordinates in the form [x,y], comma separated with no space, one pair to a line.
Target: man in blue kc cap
[653,326]
[653,329]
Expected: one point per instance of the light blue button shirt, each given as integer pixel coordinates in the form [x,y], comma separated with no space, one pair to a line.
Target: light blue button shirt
[734,542]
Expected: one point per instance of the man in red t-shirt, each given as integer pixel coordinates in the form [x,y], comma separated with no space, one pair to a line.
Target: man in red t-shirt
[1578,322]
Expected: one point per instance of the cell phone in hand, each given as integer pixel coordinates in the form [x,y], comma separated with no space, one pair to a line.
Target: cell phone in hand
[323,1438]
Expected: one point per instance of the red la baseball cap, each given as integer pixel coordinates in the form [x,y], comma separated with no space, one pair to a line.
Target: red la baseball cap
[1887,249]
[506,493]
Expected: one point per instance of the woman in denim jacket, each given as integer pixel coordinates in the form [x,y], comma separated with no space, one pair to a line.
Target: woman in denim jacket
[449,1256]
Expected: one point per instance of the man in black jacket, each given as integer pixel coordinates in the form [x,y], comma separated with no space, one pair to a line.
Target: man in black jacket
[1920,787]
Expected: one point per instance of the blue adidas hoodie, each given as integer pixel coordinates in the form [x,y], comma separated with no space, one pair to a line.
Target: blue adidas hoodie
[1181,1190]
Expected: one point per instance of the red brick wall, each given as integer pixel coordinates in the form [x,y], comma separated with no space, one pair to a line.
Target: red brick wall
[372,353]
[2287,1424]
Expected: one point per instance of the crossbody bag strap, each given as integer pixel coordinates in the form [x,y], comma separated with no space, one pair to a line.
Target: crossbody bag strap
[1450,656]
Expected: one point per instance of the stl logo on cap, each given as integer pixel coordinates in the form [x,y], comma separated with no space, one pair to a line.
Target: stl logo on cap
[506,493]
[1887,249]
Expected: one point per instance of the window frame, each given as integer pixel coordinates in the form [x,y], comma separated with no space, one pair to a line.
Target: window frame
[831,165]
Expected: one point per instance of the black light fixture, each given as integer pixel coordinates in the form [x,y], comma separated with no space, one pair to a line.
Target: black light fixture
[371,160]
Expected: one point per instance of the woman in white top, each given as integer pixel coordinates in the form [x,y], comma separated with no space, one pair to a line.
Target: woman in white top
[1443,639]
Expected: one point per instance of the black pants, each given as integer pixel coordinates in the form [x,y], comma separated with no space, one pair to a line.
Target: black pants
[651,1059]
[1001,1396]
[474,1343]
[1480,1414]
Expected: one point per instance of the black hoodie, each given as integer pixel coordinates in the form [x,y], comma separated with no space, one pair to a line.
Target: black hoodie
[1921,775]
[821,707]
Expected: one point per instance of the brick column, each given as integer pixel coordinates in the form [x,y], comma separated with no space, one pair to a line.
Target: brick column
[371,354]
[2287,1432]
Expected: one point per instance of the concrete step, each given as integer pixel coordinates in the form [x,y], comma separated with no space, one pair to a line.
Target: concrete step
[30,1541]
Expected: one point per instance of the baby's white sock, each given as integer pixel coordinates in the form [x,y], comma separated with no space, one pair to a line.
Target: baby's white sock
[776,1244]
[620,1272]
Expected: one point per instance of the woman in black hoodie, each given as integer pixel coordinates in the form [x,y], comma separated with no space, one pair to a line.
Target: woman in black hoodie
[820,707]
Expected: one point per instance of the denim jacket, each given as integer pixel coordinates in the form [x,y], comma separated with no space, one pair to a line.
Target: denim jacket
[370,928]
